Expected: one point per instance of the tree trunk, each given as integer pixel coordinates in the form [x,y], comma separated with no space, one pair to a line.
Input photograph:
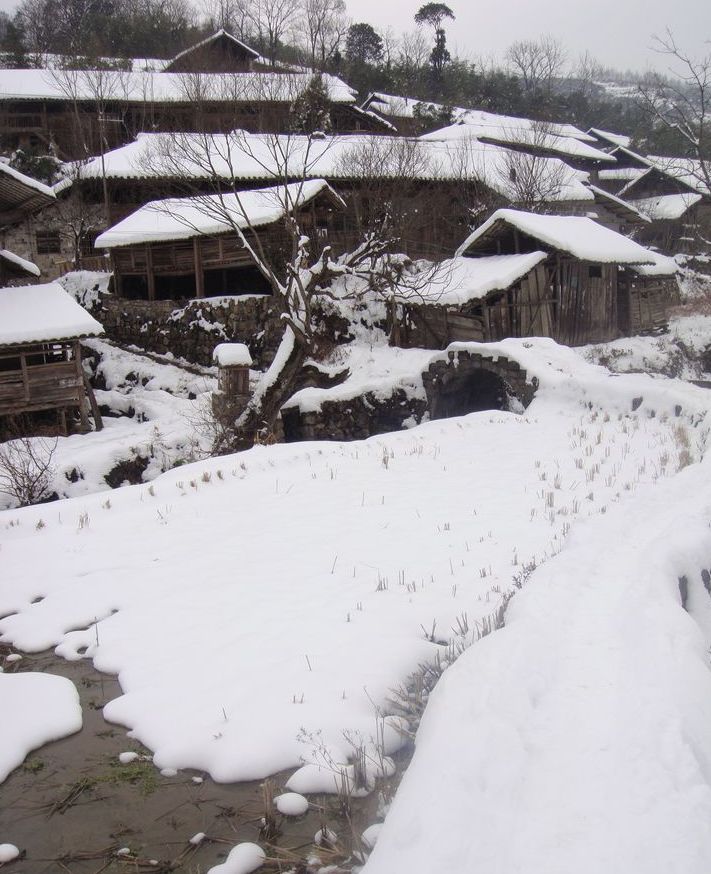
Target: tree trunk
[274,389]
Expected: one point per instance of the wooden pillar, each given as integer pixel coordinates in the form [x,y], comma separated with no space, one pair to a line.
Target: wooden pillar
[83,411]
[199,275]
[150,275]
[25,376]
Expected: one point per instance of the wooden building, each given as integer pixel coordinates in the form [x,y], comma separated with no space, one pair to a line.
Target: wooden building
[219,53]
[40,355]
[535,275]
[183,248]
[218,85]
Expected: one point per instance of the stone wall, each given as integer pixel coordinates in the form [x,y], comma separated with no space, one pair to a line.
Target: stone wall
[67,213]
[459,364]
[355,418]
[192,330]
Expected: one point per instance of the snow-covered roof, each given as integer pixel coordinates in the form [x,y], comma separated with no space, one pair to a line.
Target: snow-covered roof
[580,237]
[42,313]
[245,156]
[667,207]
[218,35]
[459,280]
[27,181]
[616,204]
[520,132]
[21,263]
[179,218]
[231,355]
[687,171]
[397,106]
[160,87]
[611,138]
[623,174]
[662,266]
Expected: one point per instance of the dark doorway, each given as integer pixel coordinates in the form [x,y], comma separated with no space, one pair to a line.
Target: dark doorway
[470,392]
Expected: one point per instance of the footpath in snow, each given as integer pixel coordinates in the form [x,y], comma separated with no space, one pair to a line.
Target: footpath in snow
[578,738]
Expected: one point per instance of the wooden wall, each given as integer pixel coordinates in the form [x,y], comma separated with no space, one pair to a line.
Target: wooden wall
[558,299]
[41,377]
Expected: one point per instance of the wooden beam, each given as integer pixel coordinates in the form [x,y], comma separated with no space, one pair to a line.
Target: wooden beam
[199,275]
[150,275]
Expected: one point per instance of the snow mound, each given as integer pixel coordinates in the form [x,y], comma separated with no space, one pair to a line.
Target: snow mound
[242,859]
[291,804]
[36,708]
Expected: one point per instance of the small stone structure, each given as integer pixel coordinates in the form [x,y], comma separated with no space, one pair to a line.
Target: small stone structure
[232,396]
[466,382]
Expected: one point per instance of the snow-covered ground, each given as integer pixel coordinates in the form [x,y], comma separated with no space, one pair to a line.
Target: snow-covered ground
[259,609]
[578,737]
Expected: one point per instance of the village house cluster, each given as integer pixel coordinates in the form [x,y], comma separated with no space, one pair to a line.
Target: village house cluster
[543,229]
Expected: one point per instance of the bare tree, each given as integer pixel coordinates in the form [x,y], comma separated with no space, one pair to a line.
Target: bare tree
[682,104]
[538,63]
[27,469]
[298,281]
[325,27]
[534,180]
[233,16]
[272,21]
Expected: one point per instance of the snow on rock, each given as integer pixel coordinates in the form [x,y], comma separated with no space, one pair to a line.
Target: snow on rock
[291,804]
[577,738]
[371,834]
[325,837]
[8,852]
[231,355]
[128,757]
[86,286]
[36,708]
[242,859]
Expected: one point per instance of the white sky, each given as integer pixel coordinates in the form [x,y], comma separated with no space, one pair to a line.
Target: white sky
[618,33]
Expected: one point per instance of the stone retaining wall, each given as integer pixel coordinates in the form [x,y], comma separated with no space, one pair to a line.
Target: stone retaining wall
[355,418]
[193,329]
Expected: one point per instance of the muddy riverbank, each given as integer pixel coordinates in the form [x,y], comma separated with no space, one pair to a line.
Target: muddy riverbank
[72,806]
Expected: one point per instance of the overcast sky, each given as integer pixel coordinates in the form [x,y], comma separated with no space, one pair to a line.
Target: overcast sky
[618,33]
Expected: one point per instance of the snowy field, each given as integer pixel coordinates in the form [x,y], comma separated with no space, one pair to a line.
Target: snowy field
[261,609]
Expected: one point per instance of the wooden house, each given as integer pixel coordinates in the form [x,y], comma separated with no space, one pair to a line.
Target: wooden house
[645,293]
[533,275]
[183,248]
[433,195]
[218,85]
[219,53]
[40,355]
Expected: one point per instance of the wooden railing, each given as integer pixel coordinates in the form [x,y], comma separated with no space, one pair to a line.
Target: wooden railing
[39,387]
[94,262]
